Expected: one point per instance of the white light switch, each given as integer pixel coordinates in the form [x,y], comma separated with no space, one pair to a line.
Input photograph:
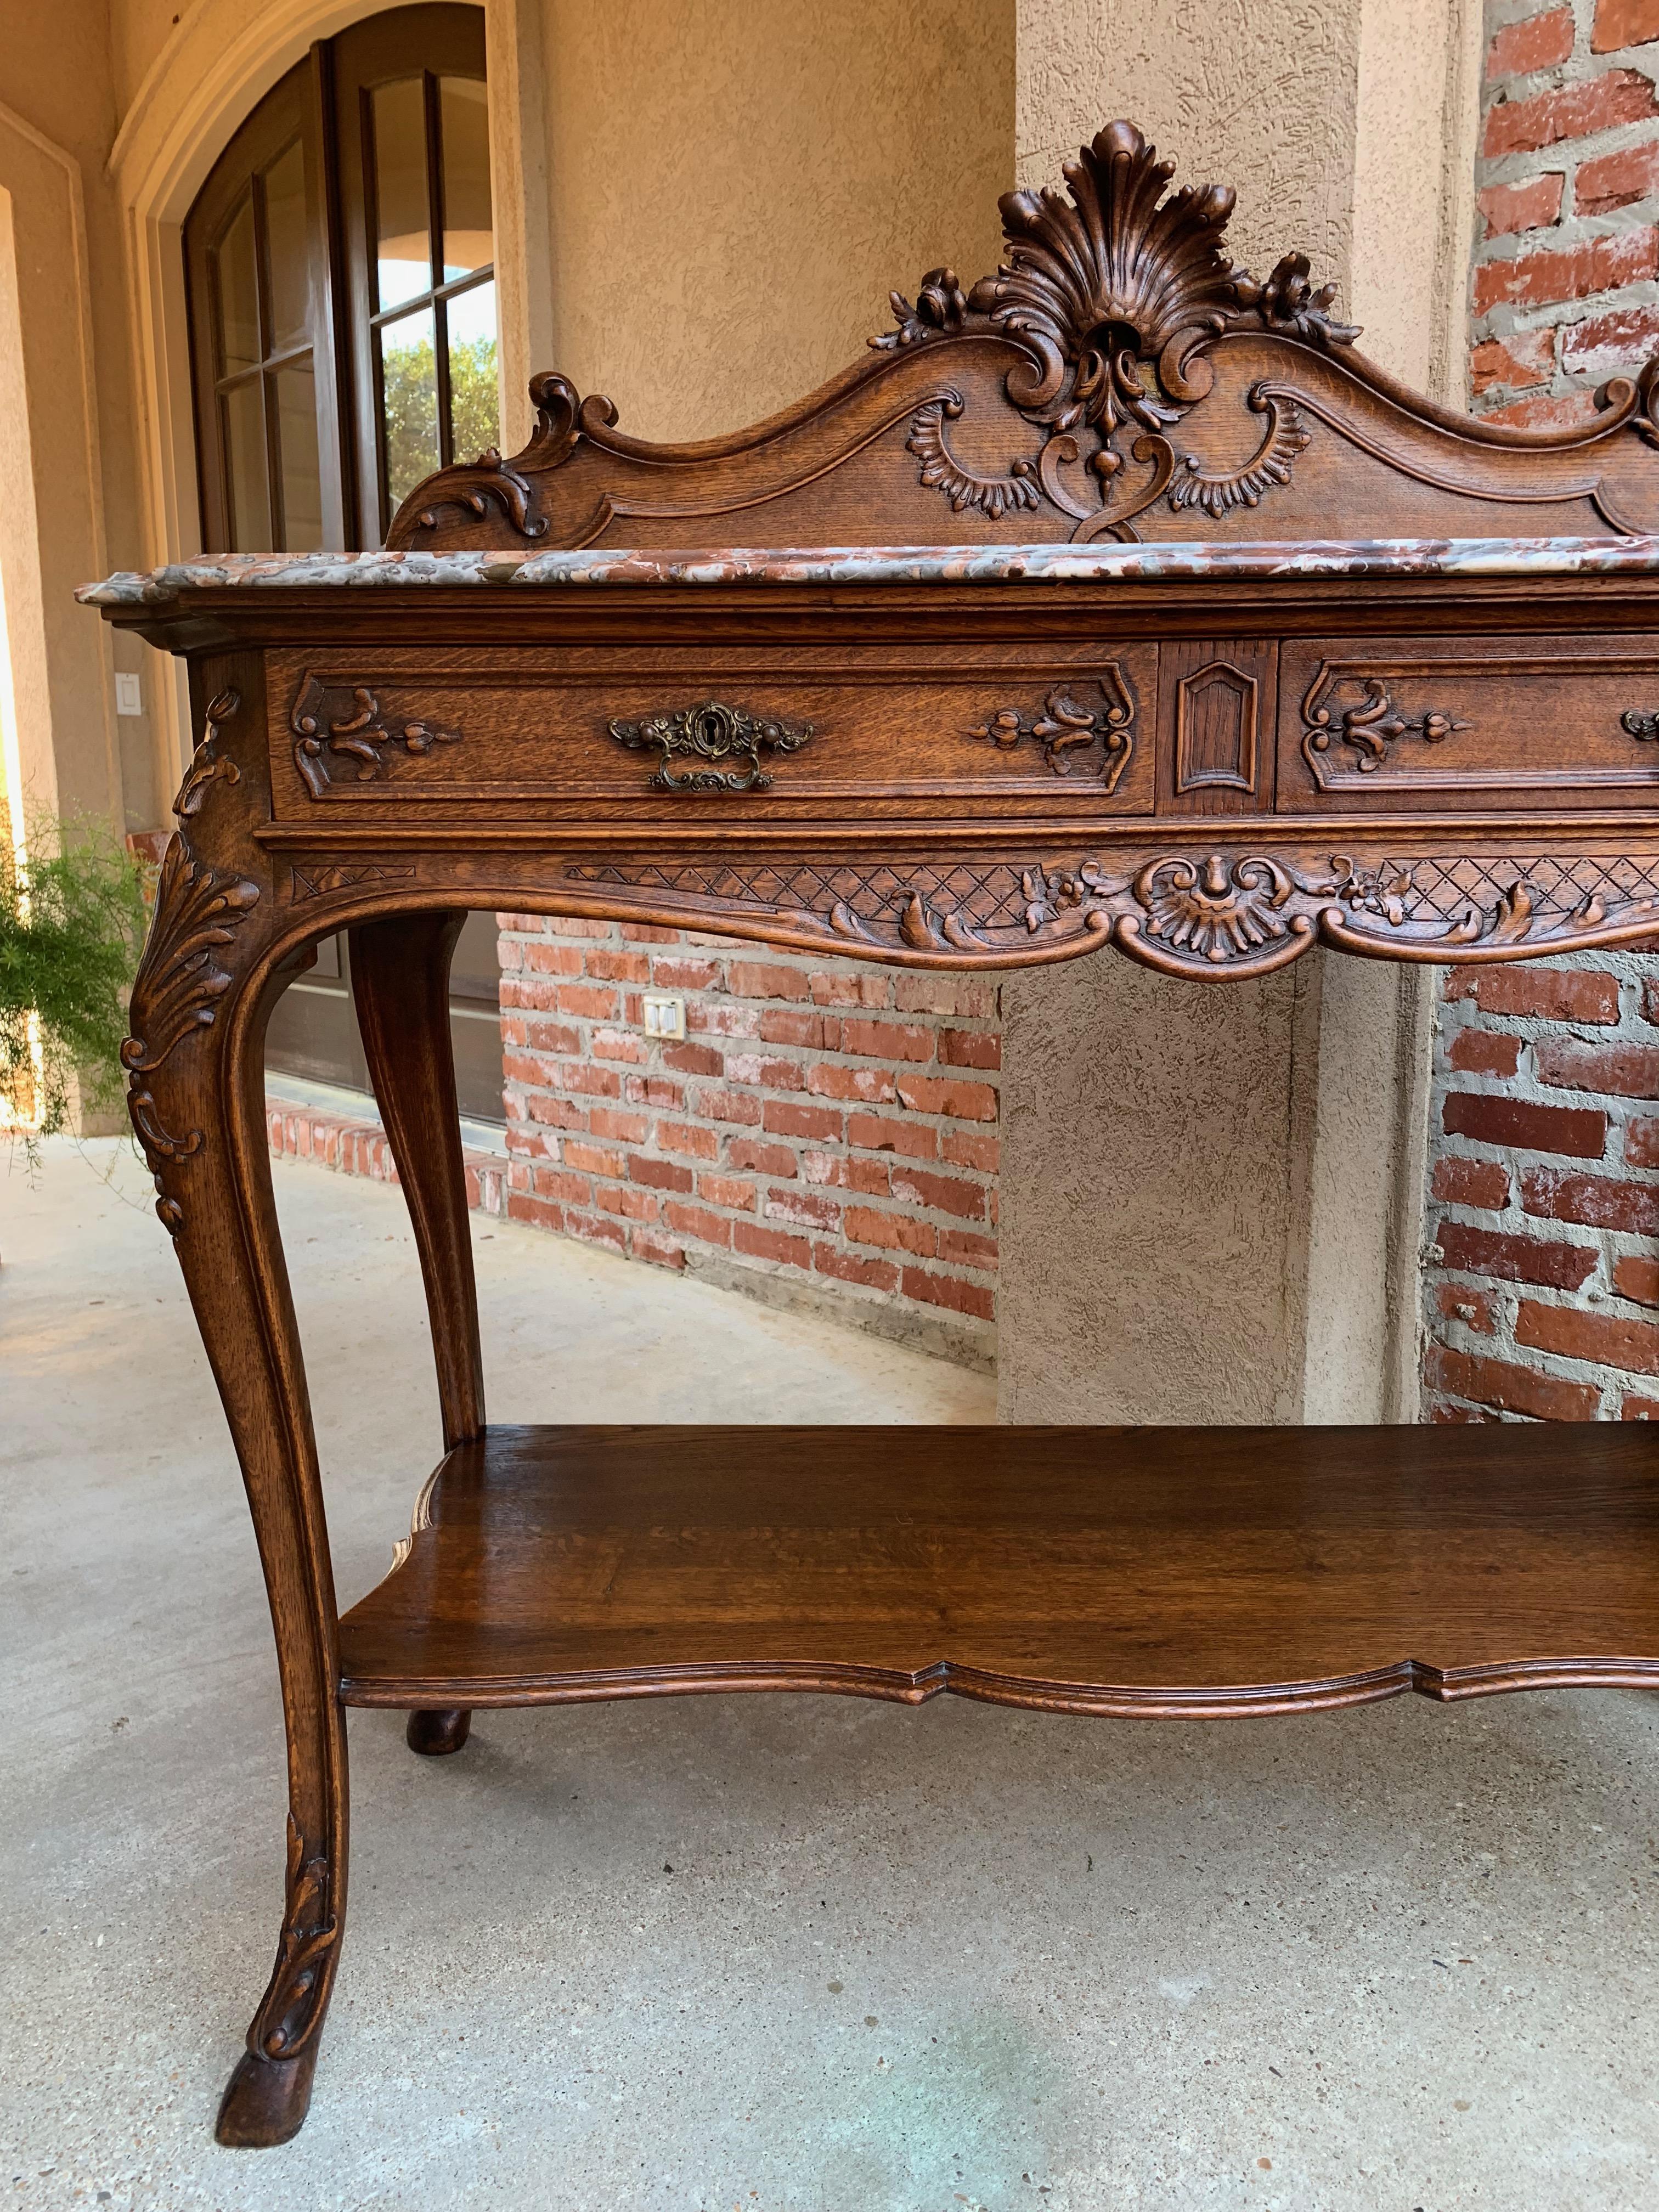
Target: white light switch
[664,1017]
[129,698]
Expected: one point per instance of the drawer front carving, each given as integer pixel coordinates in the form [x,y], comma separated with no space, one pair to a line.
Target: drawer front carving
[1388,724]
[1028,730]
[1216,727]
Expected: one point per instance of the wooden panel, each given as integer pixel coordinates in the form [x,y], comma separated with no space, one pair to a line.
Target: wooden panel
[671,733]
[1216,721]
[1395,723]
[1096,1570]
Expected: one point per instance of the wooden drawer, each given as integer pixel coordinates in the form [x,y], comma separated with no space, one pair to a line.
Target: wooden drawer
[1394,723]
[744,732]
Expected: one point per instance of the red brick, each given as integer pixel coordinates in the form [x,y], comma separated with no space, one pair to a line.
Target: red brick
[848,1267]
[1564,410]
[612,966]
[1471,1182]
[655,1090]
[727,1190]
[770,1244]
[949,1290]
[660,1251]
[618,1044]
[1537,42]
[1650,1000]
[893,1232]
[534,1211]
[761,1159]
[1596,1201]
[720,1017]
[571,925]
[1512,1390]
[552,959]
[1630,1070]
[761,979]
[1476,1309]
[647,933]
[591,1159]
[696,1221]
[595,1232]
[945,1193]
[631,1205]
[769,1074]
[1637,1279]
[960,1248]
[871,1040]
[688,1138]
[1578,1131]
[693,1058]
[678,971]
[805,1207]
[969,1049]
[892,1132]
[1484,1052]
[1576,111]
[970,1148]
[591,1002]
[920,991]
[1642,1142]
[1517,364]
[1615,181]
[1606,345]
[1636,1409]
[1604,1340]
[659,1175]
[949,1095]
[853,986]
[783,1117]
[1514,1259]
[870,1085]
[624,1128]
[781,1025]
[1621,23]
[1568,272]
[1441,1412]
[1550,995]
[866,1177]
[727,1106]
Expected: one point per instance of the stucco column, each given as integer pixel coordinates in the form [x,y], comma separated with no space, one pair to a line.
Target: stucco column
[1212,1195]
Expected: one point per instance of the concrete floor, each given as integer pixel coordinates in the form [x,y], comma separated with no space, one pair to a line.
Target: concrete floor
[756,1952]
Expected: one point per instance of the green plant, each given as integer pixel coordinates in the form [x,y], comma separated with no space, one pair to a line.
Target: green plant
[409,396]
[71,923]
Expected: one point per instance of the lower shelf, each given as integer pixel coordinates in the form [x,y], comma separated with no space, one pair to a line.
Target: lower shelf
[1113,1570]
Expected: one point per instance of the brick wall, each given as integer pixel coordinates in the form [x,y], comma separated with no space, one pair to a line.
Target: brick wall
[1541,1287]
[828,1130]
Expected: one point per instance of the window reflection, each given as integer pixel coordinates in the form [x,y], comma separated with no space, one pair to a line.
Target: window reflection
[402,203]
[464,118]
[475,412]
[409,401]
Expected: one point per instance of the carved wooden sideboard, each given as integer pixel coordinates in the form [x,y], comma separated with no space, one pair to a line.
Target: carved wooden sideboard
[1124,605]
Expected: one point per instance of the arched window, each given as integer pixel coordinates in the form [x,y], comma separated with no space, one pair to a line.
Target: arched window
[340,261]
[340,267]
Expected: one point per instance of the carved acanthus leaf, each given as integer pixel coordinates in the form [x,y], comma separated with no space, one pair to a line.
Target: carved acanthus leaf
[1371,726]
[940,307]
[207,764]
[292,2008]
[993,496]
[178,980]
[1218,491]
[1065,724]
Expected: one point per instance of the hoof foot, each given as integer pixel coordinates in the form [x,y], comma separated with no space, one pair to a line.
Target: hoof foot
[267,2101]
[436,1734]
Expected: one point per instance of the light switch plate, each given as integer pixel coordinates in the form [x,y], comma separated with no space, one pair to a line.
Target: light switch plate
[129,695]
[665,1017]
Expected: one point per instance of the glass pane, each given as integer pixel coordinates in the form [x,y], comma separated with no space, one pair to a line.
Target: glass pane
[286,248]
[239,292]
[301,477]
[463,121]
[245,468]
[475,411]
[404,254]
[408,402]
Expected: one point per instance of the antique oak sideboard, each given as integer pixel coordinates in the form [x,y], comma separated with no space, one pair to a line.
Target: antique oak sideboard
[1122,603]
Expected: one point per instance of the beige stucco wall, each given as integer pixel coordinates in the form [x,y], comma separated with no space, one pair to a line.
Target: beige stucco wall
[726,230]
[1211,1197]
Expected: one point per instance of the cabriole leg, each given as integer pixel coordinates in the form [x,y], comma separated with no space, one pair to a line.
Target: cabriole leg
[400,981]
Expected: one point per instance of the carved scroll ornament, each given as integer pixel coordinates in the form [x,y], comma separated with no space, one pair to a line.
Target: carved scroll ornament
[207,764]
[1064,724]
[1114,292]
[336,724]
[1369,726]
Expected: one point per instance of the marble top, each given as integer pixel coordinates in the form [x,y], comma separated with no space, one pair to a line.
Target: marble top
[889,564]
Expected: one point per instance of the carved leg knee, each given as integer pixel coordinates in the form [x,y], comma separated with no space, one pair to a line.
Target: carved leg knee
[435,1734]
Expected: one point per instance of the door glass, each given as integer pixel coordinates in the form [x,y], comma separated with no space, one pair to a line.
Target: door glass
[301,478]
[409,402]
[475,412]
[464,123]
[288,250]
[405,251]
[244,459]
[238,291]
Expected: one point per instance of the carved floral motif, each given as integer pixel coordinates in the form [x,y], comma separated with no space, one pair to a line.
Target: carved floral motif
[1370,726]
[712,732]
[208,765]
[940,306]
[331,723]
[1065,724]
[291,2010]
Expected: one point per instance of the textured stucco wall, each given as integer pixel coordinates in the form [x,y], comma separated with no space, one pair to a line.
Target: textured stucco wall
[1212,1199]
[736,189]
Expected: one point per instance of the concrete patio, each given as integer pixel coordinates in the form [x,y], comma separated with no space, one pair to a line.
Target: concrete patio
[747,1952]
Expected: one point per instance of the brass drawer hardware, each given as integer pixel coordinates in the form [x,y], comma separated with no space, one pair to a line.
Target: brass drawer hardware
[711,731]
